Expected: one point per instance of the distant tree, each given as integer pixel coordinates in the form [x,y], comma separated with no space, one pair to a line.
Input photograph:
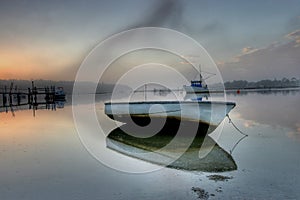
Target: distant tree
[285,82]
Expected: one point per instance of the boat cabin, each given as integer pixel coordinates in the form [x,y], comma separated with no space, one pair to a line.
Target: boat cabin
[196,83]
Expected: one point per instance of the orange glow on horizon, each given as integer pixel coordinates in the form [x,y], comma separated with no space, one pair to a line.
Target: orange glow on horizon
[34,63]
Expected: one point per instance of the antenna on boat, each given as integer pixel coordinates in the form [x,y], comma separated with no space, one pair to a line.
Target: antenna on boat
[145,92]
[210,74]
[200,76]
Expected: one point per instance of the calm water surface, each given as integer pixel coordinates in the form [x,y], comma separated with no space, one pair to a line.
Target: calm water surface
[42,157]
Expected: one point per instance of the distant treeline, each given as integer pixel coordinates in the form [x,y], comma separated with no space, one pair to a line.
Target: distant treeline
[85,87]
[283,83]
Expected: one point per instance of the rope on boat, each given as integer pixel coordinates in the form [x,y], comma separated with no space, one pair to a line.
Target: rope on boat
[237,143]
[239,130]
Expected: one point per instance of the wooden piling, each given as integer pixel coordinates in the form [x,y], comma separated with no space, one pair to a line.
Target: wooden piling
[35,95]
[5,96]
[3,99]
[10,98]
[29,96]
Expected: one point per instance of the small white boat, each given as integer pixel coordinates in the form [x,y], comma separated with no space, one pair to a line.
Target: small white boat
[206,112]
[198,86]
[60,94]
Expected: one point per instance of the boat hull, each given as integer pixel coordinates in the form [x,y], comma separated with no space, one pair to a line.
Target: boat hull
[205,112]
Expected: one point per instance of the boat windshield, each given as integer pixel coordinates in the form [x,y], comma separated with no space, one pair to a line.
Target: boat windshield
[196,83]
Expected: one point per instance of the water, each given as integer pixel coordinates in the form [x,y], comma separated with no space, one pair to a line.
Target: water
[42,157]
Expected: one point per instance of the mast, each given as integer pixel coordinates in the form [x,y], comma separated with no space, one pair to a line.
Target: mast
[145,92]
[200,76]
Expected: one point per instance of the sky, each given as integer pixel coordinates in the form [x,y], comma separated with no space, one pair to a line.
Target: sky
[249,40]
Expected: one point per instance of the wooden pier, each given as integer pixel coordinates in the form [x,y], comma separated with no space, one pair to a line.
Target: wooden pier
[33,96]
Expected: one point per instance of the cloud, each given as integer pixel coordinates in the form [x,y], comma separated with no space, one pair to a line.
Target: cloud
[237,58]
[277,60]
[164,13]
[246,50]
[295,35]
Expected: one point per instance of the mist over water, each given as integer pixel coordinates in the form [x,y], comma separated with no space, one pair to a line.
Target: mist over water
[42,157]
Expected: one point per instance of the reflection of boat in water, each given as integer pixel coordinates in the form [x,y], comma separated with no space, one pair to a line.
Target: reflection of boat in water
[204,112]
[196,96]
[215,159]
[60,104]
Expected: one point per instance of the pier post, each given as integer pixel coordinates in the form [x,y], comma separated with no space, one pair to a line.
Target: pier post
[34,93]
[46,95]
[29,96]
[52,93]
[10,98]
[4,96]
[18,98]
